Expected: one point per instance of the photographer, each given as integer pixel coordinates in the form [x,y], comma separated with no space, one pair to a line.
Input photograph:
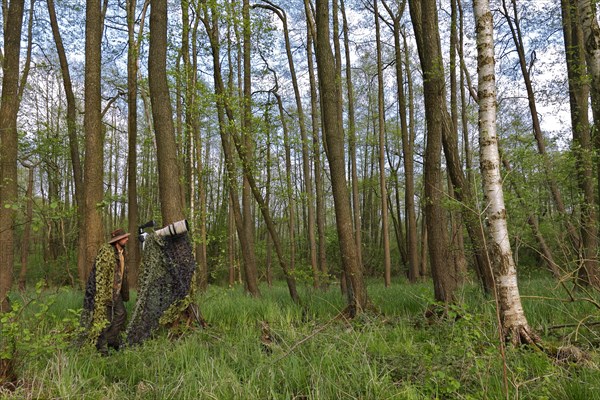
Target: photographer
[107,289]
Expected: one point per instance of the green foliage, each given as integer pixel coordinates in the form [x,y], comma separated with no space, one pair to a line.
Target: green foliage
[395,353]
[32,330]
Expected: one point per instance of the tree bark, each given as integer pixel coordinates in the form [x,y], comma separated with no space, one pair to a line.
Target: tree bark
[588,20]
[428,43]
[251,270]
[387,262]
[9,108]
[579,91]
[329,84]
[352,138]
[93,232]
[407,151]
[171,201]
[316,147]
[513,321]
[132,164]
[425,24]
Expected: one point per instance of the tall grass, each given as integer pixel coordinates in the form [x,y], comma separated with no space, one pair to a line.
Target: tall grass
[391,353]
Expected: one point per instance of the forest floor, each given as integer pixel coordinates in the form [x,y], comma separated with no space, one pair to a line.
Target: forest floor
[270,348]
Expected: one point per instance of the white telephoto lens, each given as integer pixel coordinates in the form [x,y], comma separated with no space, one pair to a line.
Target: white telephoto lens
[176,228]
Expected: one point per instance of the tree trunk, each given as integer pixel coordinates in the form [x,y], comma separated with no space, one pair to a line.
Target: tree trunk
[309,196]
[291,205]
[429,40]
[25,243]
[171,201]
[588,20]
[423,266]
[231,242]
[387,262]
[316,146]
[201,247]
[407,152]
[329,84]
[132,164]
[93,233]
[514,25]
[463,101]
[352,138]
[456,241]
[268,243]
[73,140]
[251,269]
[425,24]
[513,321]
[579,91]
[9,107]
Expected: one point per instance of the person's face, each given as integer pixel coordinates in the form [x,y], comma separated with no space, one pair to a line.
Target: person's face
[123,241]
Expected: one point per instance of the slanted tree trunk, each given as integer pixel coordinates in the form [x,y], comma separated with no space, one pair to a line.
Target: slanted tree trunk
[456,241]
[242,150]
[513,321]
[73,140]
[171,201]
[309,197]
[515,28]
[329,84]
[532,221]
[407,150]
[428,43]
[210,21]
[425,24]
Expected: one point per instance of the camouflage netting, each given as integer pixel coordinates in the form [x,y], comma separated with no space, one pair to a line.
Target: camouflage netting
[165,285]
[98,293]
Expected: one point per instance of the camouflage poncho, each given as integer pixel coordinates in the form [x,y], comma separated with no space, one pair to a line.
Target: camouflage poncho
[98,294]
[165,285]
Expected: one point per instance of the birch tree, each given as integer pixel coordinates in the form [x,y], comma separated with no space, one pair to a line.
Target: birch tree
[513,321]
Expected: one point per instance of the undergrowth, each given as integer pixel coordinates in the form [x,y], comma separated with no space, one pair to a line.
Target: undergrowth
[270,348]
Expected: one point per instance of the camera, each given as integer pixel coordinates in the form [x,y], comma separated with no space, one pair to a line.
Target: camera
[176,228]
[141,234]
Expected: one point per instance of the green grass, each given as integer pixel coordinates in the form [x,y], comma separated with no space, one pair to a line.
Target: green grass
[394,353]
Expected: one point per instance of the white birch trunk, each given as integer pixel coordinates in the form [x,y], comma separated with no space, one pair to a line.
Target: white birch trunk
[514,324]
